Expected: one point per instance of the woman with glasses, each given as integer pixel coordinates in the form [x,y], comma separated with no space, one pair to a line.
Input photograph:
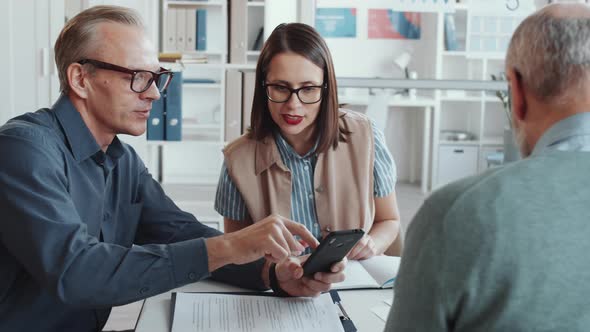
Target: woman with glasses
[304,158]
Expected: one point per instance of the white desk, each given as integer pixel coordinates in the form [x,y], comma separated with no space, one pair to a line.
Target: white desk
[155,313]
[428,105]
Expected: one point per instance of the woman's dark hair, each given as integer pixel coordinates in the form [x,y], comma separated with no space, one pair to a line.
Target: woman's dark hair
[305,41]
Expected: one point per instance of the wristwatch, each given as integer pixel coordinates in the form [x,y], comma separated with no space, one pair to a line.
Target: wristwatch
[274,282]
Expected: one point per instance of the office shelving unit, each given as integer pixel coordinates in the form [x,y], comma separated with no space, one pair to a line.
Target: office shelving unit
[482,31]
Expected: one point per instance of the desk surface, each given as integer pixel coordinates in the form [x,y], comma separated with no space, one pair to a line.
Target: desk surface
[155,313]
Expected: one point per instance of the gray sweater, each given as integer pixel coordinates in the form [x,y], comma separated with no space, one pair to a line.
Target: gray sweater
[508,250]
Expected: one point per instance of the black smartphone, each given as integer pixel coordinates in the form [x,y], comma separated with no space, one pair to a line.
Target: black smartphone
[332,249]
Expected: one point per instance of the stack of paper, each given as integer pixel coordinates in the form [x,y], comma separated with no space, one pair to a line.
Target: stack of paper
[207,312]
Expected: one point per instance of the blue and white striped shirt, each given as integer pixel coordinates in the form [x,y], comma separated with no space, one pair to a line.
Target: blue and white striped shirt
[230,204]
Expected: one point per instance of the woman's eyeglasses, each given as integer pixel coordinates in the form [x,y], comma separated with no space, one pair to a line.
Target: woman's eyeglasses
[278,93]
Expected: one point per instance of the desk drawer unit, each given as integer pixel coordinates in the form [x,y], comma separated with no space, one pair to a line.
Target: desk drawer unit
[456,162]
[204,212]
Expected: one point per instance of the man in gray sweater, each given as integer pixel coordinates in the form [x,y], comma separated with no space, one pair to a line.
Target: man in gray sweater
[508,250]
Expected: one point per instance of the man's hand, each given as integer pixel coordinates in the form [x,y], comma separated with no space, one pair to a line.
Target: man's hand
[364,249]
[272,238]
[290,277]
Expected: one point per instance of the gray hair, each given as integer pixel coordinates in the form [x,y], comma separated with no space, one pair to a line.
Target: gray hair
[552,55]
[77,38]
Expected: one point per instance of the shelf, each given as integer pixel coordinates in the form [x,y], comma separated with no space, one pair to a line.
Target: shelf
[238,66]
[393,101]
[182,192]
[493,141]
[455,53]
[475,55]
[470,99]
[202,126]
[196,3]
[461,6]
[201,85]
[490,99]
[255,3]
[203,53]
[465,143]
[203,179]
[185,141]
[488,141]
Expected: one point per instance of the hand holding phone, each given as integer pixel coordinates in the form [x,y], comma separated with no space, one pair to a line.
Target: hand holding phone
[332,249]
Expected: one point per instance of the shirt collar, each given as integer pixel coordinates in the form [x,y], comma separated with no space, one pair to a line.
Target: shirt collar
[78,137]
[267,154]
[567,129]
[287,149]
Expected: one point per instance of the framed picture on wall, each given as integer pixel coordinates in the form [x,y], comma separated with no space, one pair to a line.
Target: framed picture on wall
[336,22]
[391,24]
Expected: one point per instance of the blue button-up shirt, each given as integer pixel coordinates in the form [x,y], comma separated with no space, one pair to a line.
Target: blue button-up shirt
[569,134]
[83,230]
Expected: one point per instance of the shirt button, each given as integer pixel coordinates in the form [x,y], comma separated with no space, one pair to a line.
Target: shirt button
[106,216]
[306,167]
[319,189]
[144,290]
[310,196]
[192,276]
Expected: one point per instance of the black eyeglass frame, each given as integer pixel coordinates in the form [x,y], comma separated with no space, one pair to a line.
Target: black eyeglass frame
[133,73]
[323,88]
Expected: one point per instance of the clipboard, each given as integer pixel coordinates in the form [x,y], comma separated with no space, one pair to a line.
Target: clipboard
[347,323]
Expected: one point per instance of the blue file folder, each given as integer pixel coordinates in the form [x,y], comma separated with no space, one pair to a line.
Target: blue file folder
[201,30]
[156,124]
[173,109]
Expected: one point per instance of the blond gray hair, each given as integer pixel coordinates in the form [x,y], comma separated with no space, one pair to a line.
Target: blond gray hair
[77,38]
[552,55]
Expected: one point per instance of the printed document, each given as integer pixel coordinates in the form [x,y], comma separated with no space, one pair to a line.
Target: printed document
[209,312]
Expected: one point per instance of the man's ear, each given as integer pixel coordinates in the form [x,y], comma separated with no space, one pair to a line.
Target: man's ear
[518,98]
[77,80]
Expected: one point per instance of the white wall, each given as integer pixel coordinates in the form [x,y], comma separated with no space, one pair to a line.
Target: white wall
[29,79]
[148,9]
[363,57]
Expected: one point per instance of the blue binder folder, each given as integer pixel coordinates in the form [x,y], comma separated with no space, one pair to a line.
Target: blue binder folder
[173,109]
[201,30]
[156,124]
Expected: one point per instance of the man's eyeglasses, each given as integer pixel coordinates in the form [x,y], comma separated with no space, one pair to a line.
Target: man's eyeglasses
[278,93]
[141,80]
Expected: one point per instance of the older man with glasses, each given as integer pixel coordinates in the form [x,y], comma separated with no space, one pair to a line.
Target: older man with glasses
[85,227]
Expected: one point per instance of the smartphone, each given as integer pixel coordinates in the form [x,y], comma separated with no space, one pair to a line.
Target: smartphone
[332,249]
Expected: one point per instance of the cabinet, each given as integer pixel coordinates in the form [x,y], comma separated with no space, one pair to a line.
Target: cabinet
[29,30]
[196,159]
[455,162]
[246,31]
[197,30]
[217,90]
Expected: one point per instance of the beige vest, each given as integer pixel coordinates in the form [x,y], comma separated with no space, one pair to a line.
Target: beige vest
[343,178]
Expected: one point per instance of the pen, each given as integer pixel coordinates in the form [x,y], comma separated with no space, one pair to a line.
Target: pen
[336,299]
